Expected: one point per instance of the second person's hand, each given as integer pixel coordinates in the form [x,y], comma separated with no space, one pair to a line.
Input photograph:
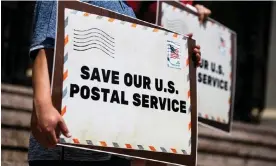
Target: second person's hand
[203,12]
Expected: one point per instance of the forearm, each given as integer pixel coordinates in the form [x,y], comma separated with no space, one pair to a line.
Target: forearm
[41,78]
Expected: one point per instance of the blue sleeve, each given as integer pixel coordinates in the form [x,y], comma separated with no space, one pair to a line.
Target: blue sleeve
[44,25]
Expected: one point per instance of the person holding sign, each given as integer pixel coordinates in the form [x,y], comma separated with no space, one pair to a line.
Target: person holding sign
[46,122]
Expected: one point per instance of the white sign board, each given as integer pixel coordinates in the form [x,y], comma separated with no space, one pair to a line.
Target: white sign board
[125,85]
[214,77]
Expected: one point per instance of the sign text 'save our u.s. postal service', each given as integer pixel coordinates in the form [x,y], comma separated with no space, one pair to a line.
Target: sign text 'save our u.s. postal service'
[215,77]
[124,86]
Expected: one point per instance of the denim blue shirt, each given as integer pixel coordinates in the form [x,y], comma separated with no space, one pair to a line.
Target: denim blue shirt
[45,20]
[44,33]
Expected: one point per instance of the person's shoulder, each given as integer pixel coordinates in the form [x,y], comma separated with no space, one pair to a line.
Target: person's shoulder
[116,6]
[44,27]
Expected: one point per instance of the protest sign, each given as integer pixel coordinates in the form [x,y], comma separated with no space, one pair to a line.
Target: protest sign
[124,86]
[216,75]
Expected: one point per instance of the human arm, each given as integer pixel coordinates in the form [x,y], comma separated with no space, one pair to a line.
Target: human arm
[46,122]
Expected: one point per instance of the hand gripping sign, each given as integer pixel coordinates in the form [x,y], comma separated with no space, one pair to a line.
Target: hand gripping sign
[124,86]
[216,75]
